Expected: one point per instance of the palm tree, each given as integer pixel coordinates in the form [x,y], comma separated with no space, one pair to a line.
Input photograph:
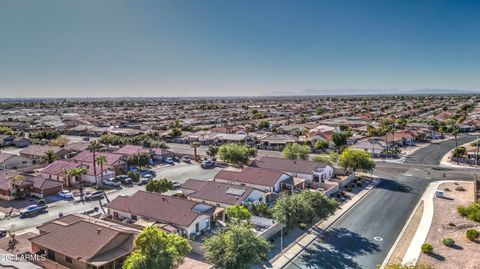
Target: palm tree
[195,145]
[102,160]
[76,172]
[49,157]
[94,147]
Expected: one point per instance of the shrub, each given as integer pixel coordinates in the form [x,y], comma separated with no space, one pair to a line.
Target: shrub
[427,248]
[472,234]
[302,226]
[471,212]
[460,188]
[135,176]
[448,242]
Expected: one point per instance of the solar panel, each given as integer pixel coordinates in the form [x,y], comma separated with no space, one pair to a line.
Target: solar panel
[233,191]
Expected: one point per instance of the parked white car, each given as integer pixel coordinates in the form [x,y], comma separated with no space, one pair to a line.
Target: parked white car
[65,194]
[112,182]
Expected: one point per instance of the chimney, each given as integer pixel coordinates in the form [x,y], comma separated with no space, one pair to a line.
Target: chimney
[99,230]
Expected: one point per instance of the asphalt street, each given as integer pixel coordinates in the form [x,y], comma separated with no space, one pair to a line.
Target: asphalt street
[364,235]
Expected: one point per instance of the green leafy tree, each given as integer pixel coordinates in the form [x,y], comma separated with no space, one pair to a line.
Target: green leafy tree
[6,131]
[458,152]
[175,132]
[238,212]
[296,152]
[302,207]
[356,160]
[236,247]
[157,249]
[263,124]
[330,158]
[212,151]
[140,159]
[340,139]
[236,154]
[159,185]
[49,157]
[322,145]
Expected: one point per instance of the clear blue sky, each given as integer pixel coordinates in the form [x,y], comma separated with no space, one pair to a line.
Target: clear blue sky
[192,48]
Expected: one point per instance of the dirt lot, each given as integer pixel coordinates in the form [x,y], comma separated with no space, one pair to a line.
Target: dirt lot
[465,254]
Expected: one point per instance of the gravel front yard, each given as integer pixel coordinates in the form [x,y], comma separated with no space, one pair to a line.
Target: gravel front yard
[464,254]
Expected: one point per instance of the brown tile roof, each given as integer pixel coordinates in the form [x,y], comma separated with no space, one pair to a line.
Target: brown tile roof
[87,157]
[80,238]
[286,165]
[250,175]
[216,192]
[158,207]
[131,149]
[39,150]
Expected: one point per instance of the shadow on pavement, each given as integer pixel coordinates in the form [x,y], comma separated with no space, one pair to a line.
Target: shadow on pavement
[338,250]
[391,185]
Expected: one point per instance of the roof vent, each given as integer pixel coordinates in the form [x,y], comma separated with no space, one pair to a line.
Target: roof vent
[99,230]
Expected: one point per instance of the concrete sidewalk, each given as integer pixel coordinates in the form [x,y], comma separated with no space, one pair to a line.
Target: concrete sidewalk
[295,248]
[413,251]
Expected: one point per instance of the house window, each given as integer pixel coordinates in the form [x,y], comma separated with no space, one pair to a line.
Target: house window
[68,260]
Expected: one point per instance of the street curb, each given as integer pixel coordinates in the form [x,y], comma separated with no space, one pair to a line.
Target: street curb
[335,221]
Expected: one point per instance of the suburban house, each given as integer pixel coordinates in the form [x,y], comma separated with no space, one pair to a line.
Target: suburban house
[11,161]
[36,152]
[276,141]
[266,180]
[128,150]
[21,142]
[113,160]
[57,171]
[82,242]
[221,194]
[76,147]
[178,215]
[311,171]
[401,138]
[374,146]
[15,185]
[6,140]
[159,154]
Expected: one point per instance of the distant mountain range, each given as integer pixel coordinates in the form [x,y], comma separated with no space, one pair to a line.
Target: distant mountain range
[373,92]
